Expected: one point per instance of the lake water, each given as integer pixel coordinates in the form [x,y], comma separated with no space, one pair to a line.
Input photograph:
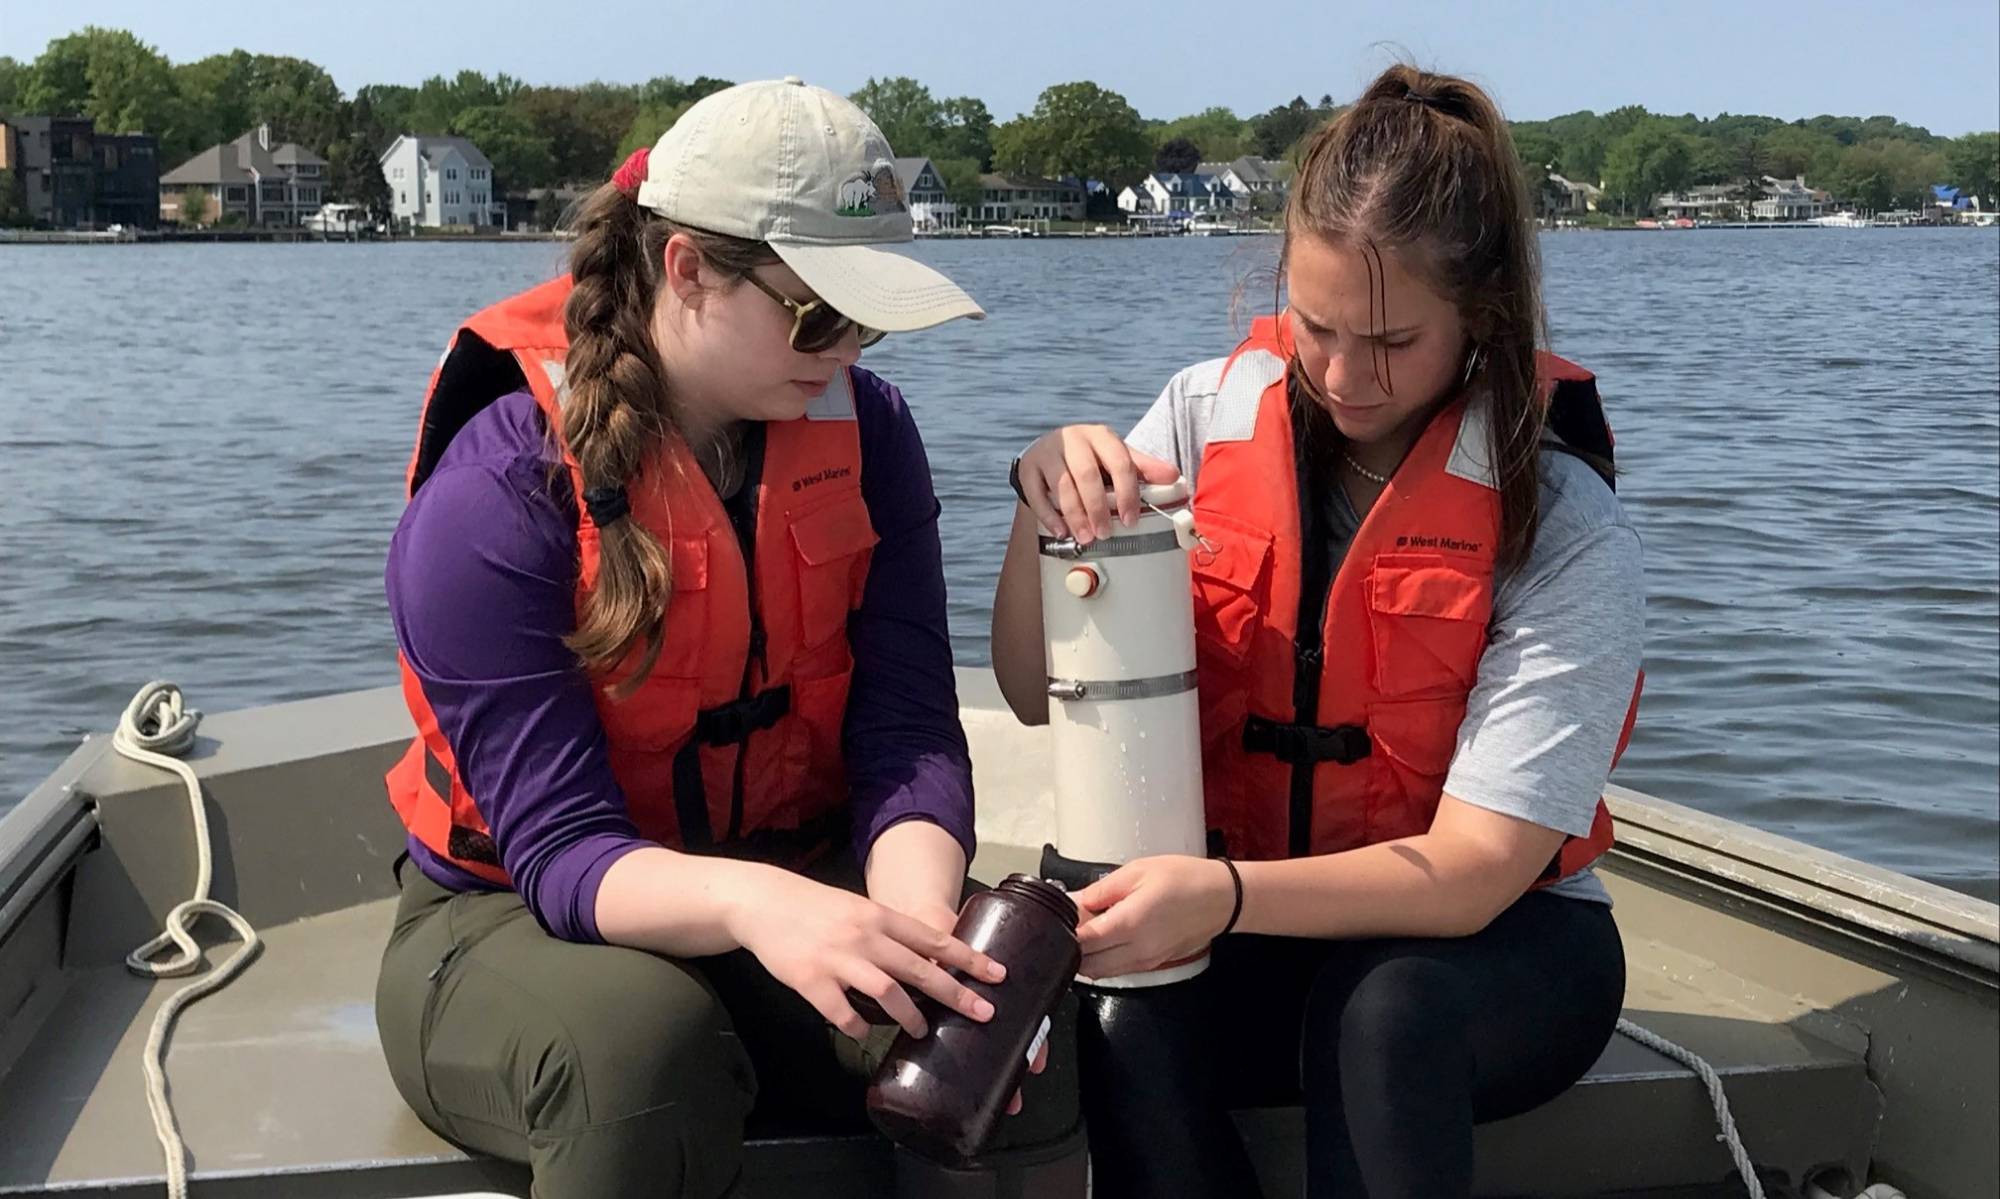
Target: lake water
[205,446]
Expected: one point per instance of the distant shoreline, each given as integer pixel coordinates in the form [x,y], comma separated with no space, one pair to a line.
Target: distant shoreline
[59,237]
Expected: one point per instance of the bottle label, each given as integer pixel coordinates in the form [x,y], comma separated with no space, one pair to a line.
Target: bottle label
[1041,1039]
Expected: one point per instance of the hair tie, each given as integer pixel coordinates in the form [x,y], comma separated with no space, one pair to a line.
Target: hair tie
[629,176]
[1437,104]
[606,505]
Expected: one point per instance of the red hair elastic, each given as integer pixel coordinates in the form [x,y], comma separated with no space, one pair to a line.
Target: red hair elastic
[628,177]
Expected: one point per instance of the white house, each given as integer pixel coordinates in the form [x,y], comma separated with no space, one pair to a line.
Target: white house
[924,192]
[1246,176]
[1136,200]
[1185,194]
[440,181]
[1789,200]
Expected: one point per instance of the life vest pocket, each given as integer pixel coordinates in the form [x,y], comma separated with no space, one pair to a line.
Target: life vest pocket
[813,779]
[1427,620]
[1232,583]
[1415,740]
[833,543]
[658,716]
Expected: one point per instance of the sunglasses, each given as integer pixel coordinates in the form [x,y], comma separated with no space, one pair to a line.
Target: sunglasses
[816,325]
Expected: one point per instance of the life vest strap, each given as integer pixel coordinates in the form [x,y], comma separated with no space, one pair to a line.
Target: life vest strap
[1303,744]
[733,722]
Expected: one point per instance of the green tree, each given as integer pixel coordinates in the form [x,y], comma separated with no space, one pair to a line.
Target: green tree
[355,171]
[298,99]
[1890,173]
[381,112]
[521,157]
[226,95]
[905,111]
[1748,192]
[667,90]
[1712,160]
[194,207]
[581,125]
[1017,147]
[13,76]
[1077,129]
[548,210]
[1283,127]
[1650,158]
[438,101]
[1539,152]
[1866,178]
[651,121]
[1177,156]
[661,103]
[962,184]
[110,76]
[1222,135]
[1583,152]
[215,91]
[1973,162]
[967,131]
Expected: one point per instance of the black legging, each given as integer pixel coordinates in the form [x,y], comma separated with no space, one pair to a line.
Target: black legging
[1396,1047]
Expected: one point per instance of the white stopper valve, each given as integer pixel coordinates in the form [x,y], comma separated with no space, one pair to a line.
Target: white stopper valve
[1083,581]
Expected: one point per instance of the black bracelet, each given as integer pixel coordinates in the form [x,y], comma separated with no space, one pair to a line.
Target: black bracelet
[1236,911]
[1014,479]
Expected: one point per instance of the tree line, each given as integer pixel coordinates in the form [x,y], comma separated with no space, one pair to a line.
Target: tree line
[544,136]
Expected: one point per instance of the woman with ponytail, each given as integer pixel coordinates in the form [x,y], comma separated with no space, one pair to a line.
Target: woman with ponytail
[688,787]
[1418,621]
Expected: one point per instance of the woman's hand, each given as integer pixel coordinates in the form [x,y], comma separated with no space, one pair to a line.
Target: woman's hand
[1154,912]
[819,940]
[1063,476]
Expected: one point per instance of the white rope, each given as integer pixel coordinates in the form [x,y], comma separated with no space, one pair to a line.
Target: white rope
[155,725]
[1713,1082]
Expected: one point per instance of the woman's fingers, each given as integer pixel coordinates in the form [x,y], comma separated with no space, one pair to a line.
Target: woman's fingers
[1069,500]
[1086,473]
[828,1000]
[872,981]
[940,947]
[1153,470]
[1037,489]
[927,976]
[1115,458]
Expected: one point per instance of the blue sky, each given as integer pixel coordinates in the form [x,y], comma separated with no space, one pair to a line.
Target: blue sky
[1935,64]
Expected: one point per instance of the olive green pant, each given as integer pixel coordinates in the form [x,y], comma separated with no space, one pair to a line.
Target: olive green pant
[613,1071]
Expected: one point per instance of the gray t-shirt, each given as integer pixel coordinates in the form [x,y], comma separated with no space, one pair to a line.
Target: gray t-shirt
[1562,650]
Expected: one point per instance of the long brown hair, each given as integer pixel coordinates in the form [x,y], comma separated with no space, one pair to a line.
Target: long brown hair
[1422,165]
[619,408]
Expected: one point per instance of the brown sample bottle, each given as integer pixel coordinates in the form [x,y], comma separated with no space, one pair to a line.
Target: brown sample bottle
[943,1094]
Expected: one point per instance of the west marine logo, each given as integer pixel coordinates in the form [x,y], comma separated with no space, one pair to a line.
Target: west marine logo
[1453,544]
[832,472]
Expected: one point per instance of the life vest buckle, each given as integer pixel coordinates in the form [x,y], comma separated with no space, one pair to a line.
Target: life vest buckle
[1306,744]
[733,722]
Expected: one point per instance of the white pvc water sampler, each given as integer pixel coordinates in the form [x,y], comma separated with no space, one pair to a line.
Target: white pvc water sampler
[1124,718]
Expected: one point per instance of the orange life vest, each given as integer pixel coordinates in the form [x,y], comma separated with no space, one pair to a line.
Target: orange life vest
[733,741]
[1341,738]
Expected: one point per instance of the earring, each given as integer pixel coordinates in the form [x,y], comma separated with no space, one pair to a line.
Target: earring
[1473,362]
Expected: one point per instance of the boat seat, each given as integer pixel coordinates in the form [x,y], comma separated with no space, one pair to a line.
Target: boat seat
[280,1073]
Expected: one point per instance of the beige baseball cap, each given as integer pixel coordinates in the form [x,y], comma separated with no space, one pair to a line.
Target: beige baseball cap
[805,170]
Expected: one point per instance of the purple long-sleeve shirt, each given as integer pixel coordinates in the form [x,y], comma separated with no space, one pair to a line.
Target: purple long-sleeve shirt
[482,580]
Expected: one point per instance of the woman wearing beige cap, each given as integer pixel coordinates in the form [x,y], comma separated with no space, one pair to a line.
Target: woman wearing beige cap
[688,783]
